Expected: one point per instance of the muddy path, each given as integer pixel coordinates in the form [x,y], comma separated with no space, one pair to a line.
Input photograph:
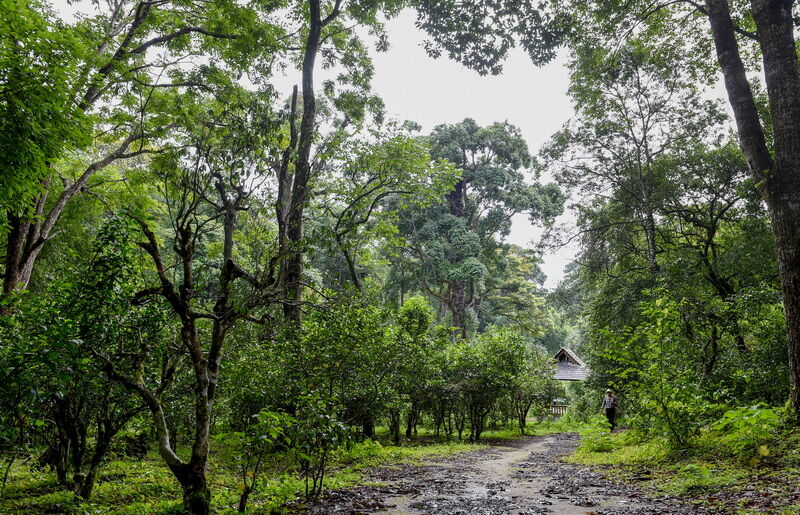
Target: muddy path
[527,476]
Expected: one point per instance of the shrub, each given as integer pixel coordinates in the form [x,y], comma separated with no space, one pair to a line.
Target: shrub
[748,431]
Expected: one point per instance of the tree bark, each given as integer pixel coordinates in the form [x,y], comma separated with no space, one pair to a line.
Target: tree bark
[394,425]
[652,245]
[458,307]
[285,180]
[775,28]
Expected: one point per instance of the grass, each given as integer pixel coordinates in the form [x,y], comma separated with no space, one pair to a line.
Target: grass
[655,463]
[146,486]
[714,469]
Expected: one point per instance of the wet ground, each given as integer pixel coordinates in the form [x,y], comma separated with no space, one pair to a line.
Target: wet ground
[524,477]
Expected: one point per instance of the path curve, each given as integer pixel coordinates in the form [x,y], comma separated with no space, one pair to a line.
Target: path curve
[524,477]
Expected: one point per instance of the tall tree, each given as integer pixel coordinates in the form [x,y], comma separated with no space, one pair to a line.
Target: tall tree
[634,107]
[324,30]
[371,178]
[208,184]
[453,242]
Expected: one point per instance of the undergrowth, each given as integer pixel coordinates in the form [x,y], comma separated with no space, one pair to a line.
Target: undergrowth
[747,446]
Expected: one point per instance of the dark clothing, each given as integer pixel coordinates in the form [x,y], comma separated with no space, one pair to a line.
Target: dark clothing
[611,415]
[610,404]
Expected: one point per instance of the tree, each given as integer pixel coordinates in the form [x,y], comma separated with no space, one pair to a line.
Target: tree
[776,170]
[112,77]
[320,24]
[371,178]
[207,185]
[39,119]
[452,242]
[635,107]
[483,370]
[533,388]
[79,412]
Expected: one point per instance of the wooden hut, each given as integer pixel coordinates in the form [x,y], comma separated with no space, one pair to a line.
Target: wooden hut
[569,367]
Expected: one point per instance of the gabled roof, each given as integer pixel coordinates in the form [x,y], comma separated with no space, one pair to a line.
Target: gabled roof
[563,352]
[569,367]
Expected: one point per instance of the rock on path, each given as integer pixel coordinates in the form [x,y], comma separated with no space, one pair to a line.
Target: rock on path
[527,476]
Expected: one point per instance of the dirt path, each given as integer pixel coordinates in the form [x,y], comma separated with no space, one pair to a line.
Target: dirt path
[528,476]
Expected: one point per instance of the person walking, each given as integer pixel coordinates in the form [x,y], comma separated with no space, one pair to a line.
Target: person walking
[610,405]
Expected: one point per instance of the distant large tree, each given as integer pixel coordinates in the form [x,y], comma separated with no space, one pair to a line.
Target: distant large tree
[453,242]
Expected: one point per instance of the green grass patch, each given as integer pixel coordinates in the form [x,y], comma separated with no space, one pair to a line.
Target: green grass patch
[652,462]
[621,449]
[715,461]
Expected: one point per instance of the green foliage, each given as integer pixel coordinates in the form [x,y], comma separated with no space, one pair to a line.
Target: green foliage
[40,66]
[493,29]
[661,387]
[315,435]
[677,306]
[748,431]
[596,437]
[582,402]
[51,346]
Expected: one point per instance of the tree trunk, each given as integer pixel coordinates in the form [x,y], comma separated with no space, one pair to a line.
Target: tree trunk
[22,248]
[786,229]
[457,200]
[244,498]
[196,495]
[776,37]
[522,415]
[458,307]
[351,263]
[101,448]
[300,192]
[652,245]
[368,426]
[394,426]
[29,232]
[711,356]
[411,421]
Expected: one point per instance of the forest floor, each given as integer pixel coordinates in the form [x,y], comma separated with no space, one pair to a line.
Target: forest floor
[535,475]
[555,472]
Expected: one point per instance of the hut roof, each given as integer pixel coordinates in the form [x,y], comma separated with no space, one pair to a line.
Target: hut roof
[569,367]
